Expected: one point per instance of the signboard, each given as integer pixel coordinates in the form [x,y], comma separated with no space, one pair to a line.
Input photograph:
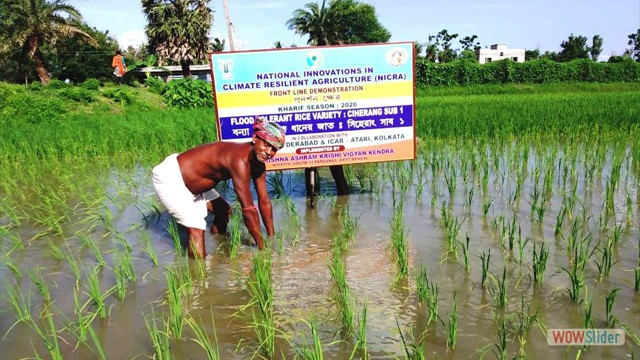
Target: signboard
[338,104]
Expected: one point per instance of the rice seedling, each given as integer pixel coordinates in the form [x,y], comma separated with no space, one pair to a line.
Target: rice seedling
[275,180]
[175,288]
[342,295]
[348,224]
[399,242]
[464,247]
[73,265]
[13,237]
[609,301]
[159,338]
[312,352]
[54,250]
[588,321]
[500,350]
[261,290]
[521,246]
[521,322]
[40,284]
[486,205]
[428,293]
[452,325]
[148,249]
[576,278]
[468,201]
[361,336]
[202,337]
[91,243]
[498,288]
[96,296]
[412,350]
[636,272]
[605,261]
[560,217]
[235,234]
[453,229]
[124,272]
[485,259]
[8,262]
[539,264]
[172,227]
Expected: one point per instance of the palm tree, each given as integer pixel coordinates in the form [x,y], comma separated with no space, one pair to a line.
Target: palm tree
[29,24]
[178,30]
[318,21]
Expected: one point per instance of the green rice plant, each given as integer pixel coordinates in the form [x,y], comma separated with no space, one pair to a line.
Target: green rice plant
[348,224]
[123,241]
[159,338]
[235,234]
[453,229]
[361,336]
[20,305]
[521,246]
[588,321]
[79,326]
[500,350]
[97,348]
[148,249]
[468,201]
[422,281]
[275,180]
[342,295]
[261,290]
[40,284]
[486,205]
[312,352]
[576,278]
[13,237]
[609,301]
[124,273]
[202,337]
[560,217]
[498,288]
[201,268]
[539,264]
[54,250]
[485,259]
[605,261]
[73,265]
[175,286]
[8,262]
[412,350]
[521,322]
[452,325]
[511,232]
[96,296]
[636,272]
[91,243]
[292,212]
[399,242]
[172,227]
[464,247]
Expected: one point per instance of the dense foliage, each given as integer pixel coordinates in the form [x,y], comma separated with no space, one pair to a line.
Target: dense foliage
[188,93]
[531,72]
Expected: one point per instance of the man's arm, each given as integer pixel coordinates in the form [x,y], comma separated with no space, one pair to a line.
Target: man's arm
[240,177]
[264,202]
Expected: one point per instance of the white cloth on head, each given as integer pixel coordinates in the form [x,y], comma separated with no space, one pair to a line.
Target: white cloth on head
[188,209]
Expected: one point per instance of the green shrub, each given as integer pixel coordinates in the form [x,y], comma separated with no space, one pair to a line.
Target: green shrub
[120,95]
[188,93]
[155,85]
[77,94]
[91,84]
[57,84]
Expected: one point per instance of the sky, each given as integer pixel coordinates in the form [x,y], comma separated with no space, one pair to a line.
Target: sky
[528,24]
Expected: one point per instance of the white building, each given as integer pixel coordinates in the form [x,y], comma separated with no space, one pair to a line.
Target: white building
[500,52]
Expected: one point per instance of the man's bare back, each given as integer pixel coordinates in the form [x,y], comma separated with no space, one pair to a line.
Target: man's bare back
[204,166]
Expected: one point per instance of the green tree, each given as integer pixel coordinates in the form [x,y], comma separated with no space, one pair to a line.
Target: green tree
[27,25]
[339,22]
[634,43]
[574,48]
[418,49]
[531,54]
[178,30]
[470,43]
[442,41]
[596,47]
[217,45]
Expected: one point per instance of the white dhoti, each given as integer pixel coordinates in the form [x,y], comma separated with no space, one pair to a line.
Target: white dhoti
[188,209]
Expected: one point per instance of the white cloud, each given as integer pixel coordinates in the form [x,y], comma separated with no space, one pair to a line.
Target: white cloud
[134,38]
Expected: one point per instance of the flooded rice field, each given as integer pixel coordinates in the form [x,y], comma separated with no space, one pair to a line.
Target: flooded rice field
[473,250]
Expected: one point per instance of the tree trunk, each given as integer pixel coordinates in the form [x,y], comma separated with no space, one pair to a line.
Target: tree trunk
[186,71]
[41,68]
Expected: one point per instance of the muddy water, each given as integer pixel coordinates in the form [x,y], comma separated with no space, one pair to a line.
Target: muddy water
[303,284]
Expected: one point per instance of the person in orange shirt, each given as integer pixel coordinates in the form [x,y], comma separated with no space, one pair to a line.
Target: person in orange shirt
[119,66]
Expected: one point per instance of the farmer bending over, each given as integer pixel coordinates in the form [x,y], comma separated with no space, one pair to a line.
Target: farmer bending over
[184,184]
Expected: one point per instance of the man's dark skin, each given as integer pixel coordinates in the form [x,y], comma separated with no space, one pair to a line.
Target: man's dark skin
[204,166]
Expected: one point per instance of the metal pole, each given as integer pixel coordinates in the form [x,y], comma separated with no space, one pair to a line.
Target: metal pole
[226,14]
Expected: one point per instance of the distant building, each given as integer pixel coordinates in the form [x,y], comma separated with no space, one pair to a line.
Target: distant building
[202,72]
[500,52]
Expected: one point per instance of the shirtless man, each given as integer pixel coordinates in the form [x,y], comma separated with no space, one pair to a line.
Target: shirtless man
[184,184]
